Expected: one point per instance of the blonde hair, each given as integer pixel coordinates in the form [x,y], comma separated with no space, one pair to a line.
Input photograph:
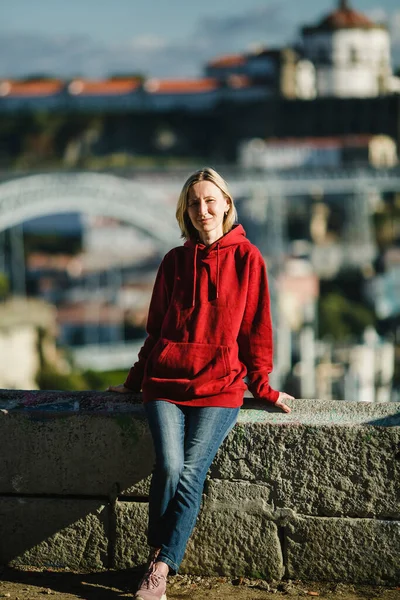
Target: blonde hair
[205,174]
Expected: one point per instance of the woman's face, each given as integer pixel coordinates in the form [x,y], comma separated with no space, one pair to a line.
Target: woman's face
[207,206]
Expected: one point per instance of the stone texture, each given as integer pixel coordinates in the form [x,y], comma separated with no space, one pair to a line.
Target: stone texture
[326,470]
[130,546]
[326,458]
[322,412]
[252,498]
[53,533]
[224,542]
[140,489]
[324,481]
[234,543]
[73,453]
[348,550]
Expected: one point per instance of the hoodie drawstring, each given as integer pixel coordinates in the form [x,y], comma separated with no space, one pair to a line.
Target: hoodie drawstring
[194,274]
[236,236]
[217,270]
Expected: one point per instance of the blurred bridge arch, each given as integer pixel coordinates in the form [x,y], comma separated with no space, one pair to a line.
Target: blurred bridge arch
[102,194]
[147,200]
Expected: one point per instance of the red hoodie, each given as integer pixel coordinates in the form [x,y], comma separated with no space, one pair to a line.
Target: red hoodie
[209,326]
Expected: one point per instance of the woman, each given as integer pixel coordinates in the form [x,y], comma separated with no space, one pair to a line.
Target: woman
[208,327]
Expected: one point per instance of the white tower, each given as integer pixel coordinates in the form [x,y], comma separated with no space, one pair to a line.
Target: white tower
[351,54]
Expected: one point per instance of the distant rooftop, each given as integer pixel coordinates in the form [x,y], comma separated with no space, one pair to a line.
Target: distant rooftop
[180,86]
[103,87]
[344,17]
[227,60]
[31,88]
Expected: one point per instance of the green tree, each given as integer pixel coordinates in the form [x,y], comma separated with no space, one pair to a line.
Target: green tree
[342,318]
[49,378]
[4,286]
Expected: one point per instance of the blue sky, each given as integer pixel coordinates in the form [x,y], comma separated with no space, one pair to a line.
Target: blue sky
[159,38]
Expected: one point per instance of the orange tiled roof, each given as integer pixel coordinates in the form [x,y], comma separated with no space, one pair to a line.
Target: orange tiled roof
[103,87]
[228,60]
[30,88]
[180,86]
[344,18]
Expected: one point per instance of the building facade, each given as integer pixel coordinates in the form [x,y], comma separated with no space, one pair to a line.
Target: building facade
[345,55]
[350,53]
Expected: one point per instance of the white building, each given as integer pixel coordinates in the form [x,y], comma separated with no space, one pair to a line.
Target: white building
[351,54]
[378,151]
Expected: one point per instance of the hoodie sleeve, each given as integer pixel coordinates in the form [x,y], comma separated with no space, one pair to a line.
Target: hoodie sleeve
[255,338]
[157,310]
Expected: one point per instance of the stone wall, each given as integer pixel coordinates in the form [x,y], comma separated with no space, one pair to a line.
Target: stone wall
[310,495]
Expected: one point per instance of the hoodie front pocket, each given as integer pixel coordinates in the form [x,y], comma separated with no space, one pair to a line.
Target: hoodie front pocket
[190,367]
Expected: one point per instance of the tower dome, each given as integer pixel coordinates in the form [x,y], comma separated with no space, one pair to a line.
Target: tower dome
[344,17]
[351,53]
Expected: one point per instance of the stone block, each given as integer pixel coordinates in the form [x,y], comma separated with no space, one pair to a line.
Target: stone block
[46,532]
[224,542]
[61,453]
[342,549]
[130,547]
[252,498]
[341,464]
[234,543]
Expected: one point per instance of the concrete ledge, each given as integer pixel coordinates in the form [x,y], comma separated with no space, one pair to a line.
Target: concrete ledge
[314,494]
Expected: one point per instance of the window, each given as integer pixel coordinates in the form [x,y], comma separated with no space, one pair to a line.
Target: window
[354,57]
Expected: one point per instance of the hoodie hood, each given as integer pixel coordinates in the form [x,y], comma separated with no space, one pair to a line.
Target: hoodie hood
[235,236]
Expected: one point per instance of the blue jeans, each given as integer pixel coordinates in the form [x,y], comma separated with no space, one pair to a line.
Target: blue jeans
[186,440]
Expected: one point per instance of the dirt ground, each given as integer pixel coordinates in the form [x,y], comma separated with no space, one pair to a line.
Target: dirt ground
[27,584]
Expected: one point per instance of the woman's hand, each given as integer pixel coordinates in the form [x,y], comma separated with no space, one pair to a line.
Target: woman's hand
[121,389]
[280,403]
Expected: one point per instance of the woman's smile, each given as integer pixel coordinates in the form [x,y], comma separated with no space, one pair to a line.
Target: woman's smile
[207,207]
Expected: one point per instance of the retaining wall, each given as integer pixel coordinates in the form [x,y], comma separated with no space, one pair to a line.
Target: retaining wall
[310,495]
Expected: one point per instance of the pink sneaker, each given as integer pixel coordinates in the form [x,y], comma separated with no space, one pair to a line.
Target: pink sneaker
[153,586]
